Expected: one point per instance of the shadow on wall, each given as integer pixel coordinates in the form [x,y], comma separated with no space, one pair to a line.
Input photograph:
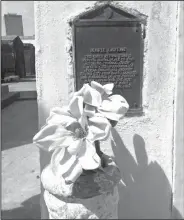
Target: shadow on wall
[30,209]
[147,192]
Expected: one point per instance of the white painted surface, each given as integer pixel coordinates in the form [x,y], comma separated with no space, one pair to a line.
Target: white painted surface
[145,159]
[24,8]
[178,185]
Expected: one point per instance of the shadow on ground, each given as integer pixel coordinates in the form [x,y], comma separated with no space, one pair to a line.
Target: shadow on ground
[147,192]
[19,123]
[20,161]
[30,209]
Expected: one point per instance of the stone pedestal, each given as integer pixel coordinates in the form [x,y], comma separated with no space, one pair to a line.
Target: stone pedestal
[93,196]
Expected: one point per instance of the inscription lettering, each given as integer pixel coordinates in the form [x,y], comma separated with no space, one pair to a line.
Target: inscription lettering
[108,50]
[106,65]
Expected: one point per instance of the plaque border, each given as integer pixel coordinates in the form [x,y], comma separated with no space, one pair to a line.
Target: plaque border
[122,23]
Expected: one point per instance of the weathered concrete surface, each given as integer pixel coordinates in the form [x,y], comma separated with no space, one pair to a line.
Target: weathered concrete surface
[147,140]
[103,206]
[20,162]
[94,195]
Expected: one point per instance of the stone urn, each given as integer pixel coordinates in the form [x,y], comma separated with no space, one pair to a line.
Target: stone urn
[80,181]
[93,196]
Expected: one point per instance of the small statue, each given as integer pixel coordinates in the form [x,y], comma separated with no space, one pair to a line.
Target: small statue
[72,133]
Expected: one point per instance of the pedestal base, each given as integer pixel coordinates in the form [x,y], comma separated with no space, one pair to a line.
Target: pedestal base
[99,207]
[93,196]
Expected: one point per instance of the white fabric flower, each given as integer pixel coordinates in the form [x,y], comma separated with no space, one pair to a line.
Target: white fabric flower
[97,99]
[114,107]
[90,95]
[71,135]
[103,89]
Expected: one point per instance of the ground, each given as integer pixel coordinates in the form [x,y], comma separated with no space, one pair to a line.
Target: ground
[20,161]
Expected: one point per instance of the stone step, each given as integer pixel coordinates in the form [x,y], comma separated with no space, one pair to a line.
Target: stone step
[27,79]
[4,90]
[30,76]
[17,96]
[9,99]
[26,95]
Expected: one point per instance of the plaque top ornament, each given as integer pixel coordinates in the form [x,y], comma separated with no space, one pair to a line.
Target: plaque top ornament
[72,133]
[107,12]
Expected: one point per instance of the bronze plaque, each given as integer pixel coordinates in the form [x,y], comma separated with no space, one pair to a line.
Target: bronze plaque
[110,51]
